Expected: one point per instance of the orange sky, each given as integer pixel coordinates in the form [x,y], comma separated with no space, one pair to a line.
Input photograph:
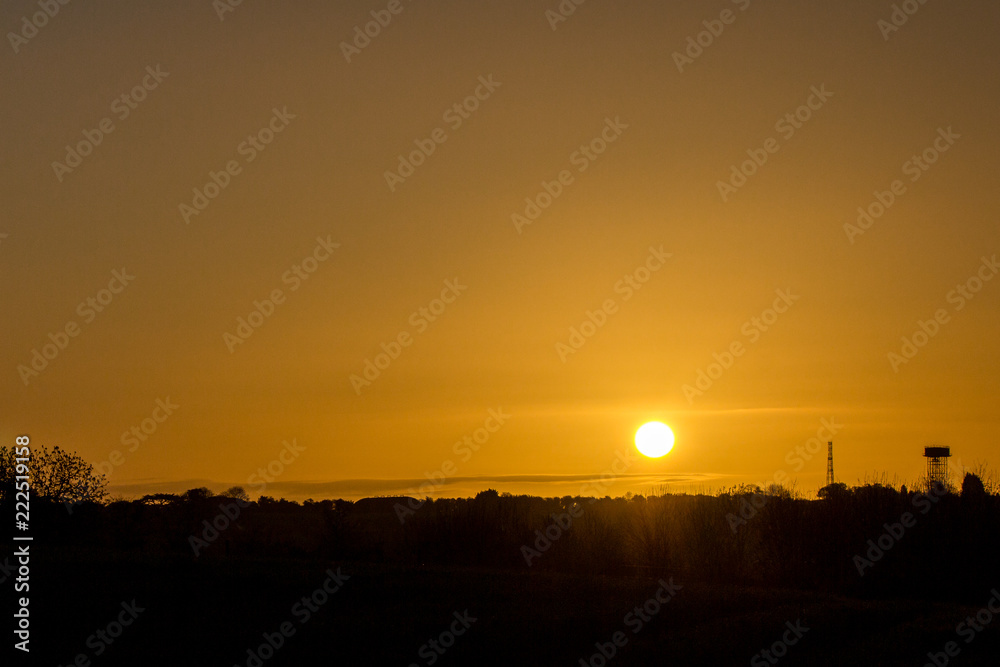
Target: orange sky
[614,126]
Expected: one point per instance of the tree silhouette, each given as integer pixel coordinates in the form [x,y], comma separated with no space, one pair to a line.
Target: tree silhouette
[835,490]
[55,474]
[159,498]
[198,495]
[238,493]
[972,487]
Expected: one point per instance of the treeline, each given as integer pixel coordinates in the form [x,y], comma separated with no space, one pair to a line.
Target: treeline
[868,540]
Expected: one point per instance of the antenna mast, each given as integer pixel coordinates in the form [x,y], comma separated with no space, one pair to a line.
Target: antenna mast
[829,463]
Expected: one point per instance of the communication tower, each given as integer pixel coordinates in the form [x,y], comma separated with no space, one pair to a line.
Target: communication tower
[829,463]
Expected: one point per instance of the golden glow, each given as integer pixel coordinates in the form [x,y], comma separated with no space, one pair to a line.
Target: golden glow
[654,439]
[689,343]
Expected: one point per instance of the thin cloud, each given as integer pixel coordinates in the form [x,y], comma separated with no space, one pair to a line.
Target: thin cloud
[370,486]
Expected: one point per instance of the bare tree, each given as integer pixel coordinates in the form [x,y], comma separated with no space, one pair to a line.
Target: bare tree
[237,493]
[55,474]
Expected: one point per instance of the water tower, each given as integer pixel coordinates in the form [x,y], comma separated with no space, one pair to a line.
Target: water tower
[937,465]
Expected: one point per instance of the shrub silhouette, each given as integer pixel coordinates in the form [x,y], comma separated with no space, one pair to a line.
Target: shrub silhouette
[972,487]
[745,535]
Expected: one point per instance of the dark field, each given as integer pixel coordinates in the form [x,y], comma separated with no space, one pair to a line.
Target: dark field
[670,580]
[211,613]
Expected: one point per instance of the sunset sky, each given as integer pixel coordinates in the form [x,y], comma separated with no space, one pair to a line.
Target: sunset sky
[629,139]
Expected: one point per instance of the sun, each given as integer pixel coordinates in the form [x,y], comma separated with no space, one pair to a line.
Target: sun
[654,439]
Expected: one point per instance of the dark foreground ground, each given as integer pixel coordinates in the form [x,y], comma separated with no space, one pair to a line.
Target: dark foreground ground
[212,612]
